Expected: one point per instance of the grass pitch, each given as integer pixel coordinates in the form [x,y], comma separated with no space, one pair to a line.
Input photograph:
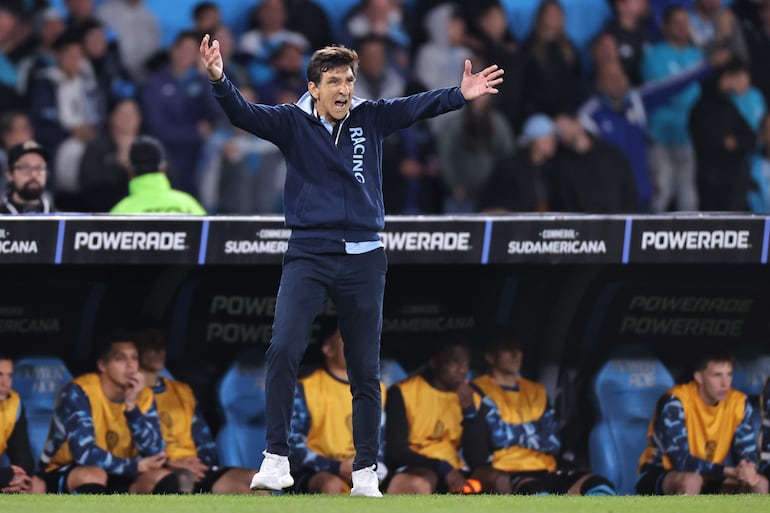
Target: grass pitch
[391,504]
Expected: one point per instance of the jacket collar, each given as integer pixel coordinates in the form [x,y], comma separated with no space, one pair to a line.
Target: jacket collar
[149,182]
[306,104]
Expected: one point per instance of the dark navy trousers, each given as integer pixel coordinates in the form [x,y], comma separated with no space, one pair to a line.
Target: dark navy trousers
[356,284]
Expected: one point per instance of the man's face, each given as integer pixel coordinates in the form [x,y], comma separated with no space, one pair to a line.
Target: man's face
[505,361]
[21,130]
[28,176]
[80,8]
[334,94]
[677,28]
[70,59]
[185,54]
[372,59]
[450,368]
[334,350]
[153,359]
[121,363]
[714,382]
[613,81]
[6,378]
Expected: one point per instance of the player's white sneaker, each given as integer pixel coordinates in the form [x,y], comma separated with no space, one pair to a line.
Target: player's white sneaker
[273,474]
[365,483]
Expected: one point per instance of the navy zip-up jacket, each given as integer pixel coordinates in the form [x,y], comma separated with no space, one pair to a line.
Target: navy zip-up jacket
[333,181]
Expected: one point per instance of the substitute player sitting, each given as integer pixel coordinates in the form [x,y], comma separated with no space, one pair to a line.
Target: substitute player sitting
[105,436]
[695,428]
[425,424]
[189,444]
[512,442]
[321,440]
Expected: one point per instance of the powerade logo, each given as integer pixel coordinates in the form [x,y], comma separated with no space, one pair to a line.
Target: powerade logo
[562,241]
[267,241]
[16,247]
[426,241]
[131,241]
[695,240]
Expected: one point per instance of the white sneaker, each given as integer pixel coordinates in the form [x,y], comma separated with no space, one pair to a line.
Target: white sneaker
[273,474]
[365,483]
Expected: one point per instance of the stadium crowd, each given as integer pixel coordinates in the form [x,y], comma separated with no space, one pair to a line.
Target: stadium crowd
[661,107]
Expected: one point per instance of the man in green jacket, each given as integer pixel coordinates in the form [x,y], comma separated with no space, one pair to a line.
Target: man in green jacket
[149,191]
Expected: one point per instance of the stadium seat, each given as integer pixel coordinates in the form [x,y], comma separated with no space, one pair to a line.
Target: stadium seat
[749,375]
[38,380]
[391,371]
[625,392]
[241,396]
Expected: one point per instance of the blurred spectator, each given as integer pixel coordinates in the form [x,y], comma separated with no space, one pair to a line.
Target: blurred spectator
[381,18]
[104,168]
[490,38]
[310,20]
[206,17]
[604,50]
[590,175]
[758,42]
[439,60]
[79,12]
[552,66]
[149,191]
[289,81]
[617,114]
[724,141]
[713,26]
[522,182]
[759,195]
[672,161]
[137,30]
[104,56]
[628,29]
[178,109]
[15,128]
[240,173]
[747,98]
[17,42]
[469,145]
[50,26]
[267,32]
[376,78]
[26,175]
[411,171]
[64,101]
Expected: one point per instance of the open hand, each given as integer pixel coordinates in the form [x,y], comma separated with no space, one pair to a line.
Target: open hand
[483,82]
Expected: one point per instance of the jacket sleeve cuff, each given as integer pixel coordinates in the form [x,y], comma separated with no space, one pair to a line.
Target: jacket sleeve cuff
[456,98]
[134,416]
[221,86]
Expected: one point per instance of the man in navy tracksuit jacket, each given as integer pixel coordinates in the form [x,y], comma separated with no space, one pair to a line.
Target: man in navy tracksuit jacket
[333,203]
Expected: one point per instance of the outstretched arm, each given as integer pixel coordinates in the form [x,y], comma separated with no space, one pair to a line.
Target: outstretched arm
[265,121]
[402,112]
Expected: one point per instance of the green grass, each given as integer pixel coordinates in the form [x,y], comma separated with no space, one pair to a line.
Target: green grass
[392,504]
